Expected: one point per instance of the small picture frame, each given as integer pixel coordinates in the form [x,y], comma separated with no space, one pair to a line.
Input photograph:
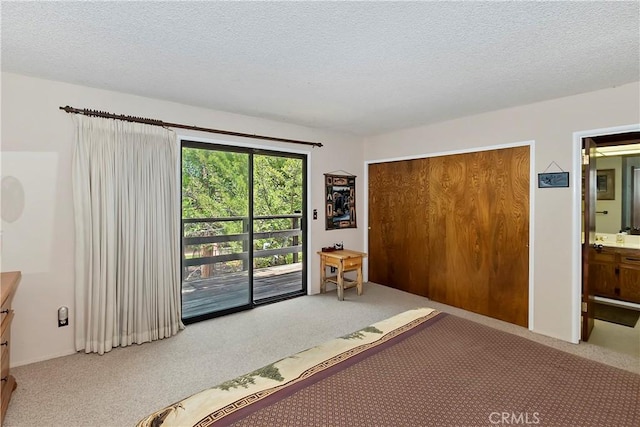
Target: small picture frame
[553,179]
[606,184]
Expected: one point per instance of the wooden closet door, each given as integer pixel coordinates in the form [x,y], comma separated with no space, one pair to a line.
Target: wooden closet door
[398,229]
[455,229]
[479,232]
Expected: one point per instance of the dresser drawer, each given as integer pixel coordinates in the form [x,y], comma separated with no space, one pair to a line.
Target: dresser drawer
[605,255]
[6,309]
[352,263]
[4,351]
[5,340]
[6,322]
[7,388]
[630,257]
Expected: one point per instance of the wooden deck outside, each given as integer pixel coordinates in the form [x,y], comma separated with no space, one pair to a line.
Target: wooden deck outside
[230,290]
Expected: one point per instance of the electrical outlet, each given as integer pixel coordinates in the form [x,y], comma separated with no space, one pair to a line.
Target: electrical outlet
[63,316]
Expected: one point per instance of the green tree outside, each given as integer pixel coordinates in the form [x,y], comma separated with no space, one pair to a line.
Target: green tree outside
[215,185]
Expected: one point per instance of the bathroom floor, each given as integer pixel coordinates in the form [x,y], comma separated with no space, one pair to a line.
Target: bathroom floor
[622,339]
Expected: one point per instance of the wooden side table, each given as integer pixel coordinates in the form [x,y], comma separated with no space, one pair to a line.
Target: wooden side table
[343,260]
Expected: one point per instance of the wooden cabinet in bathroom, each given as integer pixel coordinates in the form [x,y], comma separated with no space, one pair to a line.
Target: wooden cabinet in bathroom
[602,272]
[615,273]
[630,275]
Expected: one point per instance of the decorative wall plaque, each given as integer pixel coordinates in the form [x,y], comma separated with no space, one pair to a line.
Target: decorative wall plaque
[340,201]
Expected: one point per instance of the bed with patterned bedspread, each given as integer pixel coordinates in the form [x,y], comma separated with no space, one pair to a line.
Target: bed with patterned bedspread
[420,367]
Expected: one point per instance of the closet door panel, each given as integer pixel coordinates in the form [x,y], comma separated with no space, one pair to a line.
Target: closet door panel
[398,230]
[457,222]
[479,232]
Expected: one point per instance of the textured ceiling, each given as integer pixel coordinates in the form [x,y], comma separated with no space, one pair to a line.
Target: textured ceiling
[359,67]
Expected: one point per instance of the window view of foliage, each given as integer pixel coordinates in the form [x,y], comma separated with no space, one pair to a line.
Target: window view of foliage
[215,185]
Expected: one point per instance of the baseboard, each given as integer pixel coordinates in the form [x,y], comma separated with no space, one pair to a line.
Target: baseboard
[42,359]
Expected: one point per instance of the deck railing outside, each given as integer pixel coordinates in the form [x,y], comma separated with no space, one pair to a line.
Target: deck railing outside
[208,249]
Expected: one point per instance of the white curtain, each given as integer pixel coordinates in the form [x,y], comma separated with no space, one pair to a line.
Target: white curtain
[126,201]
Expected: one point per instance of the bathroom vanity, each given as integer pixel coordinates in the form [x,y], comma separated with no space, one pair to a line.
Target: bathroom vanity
[614,269]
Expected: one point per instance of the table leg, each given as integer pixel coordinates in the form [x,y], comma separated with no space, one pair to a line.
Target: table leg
[359,280]
[340,282]
[323,275]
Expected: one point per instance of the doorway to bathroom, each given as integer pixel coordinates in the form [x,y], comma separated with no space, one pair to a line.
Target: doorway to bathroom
[611,241]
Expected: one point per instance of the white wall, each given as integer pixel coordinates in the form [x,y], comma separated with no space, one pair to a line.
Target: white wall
[37,148]
[551,124]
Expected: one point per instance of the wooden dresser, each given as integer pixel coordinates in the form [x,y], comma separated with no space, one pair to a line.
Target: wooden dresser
[9,283]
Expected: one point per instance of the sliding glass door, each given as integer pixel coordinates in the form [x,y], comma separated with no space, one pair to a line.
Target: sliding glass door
[243,228]
[278,191]
[215,230]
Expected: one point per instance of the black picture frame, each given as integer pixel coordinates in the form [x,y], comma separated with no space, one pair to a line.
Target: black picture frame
[553,180]
[340,201]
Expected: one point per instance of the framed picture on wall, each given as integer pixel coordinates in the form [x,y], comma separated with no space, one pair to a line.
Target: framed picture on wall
[340,198]
[553,179]
[606,184]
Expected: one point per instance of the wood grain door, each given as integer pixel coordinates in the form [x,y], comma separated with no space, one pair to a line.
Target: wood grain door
[479,221]
[589,230]
[463,232]
[398,227]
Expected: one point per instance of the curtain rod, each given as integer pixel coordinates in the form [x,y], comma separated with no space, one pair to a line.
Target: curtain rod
[154,122]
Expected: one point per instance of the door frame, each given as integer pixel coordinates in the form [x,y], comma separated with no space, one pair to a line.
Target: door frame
[241,142]
[576,183]
[532,181]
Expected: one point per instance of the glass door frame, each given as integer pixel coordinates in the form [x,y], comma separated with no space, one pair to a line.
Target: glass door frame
[251,151]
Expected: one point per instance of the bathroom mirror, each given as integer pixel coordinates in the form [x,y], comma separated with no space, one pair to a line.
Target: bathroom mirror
[618,191]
